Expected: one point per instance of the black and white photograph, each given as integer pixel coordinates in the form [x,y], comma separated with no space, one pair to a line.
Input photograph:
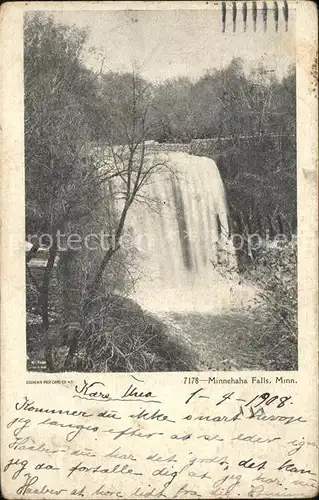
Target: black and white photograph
[161,189]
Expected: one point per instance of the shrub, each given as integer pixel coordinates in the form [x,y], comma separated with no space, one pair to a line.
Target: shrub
[272,270]
[120,337]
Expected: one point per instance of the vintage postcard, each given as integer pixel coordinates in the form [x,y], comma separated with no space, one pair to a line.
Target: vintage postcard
[159,250]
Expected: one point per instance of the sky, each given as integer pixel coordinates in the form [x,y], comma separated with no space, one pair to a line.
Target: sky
[163,44]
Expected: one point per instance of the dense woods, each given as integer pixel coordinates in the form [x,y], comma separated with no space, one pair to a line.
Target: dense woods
[68,110]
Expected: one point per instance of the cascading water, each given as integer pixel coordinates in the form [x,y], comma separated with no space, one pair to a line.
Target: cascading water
[180,230]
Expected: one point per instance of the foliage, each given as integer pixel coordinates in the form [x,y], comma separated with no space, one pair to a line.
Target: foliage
[56,127]
[255,115]
[69,187]
[119,337]
[275,272]
[272,270]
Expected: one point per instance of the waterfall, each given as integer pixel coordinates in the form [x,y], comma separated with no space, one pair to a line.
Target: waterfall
[180,229]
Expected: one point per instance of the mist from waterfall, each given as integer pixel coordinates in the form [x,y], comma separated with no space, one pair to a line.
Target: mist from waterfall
[180,229]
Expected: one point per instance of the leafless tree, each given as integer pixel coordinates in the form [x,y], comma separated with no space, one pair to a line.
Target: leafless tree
[130,166]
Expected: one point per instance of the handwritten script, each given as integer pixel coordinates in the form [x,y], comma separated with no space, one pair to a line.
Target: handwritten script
[93,441]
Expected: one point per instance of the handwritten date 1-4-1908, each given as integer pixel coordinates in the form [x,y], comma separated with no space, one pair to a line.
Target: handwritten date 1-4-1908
[259,399]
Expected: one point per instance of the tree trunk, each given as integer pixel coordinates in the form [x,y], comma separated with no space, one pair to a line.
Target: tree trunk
[93,289]
[72,304]
[44,300]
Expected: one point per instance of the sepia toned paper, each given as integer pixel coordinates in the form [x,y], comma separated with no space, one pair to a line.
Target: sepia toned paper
[216,395]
